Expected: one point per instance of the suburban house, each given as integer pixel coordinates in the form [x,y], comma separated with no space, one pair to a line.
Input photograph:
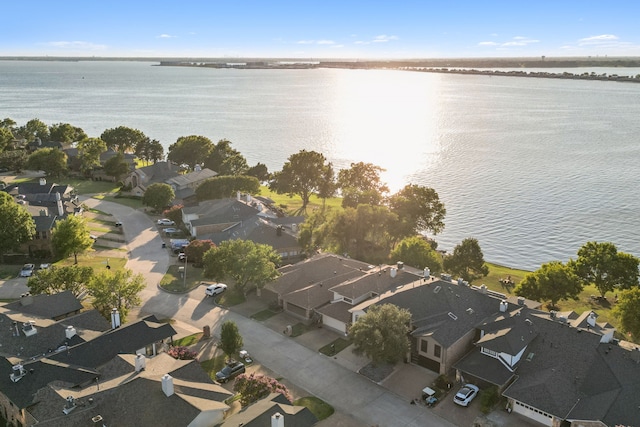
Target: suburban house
[304,287]
[557,368]
[275,411]
[137,391]
[73,161]
[47,203]
[184,185]
[76,352]
[246,218]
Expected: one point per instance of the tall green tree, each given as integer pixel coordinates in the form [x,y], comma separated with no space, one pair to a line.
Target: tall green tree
[6,139]
[600,264]
[89,150]
[328,186]
[361,184]
[419,208]
[34,129]
[50,160]
[259,171]
[158,195]
[116,166]
[14,160]
[417,252]
[122,138]
[301,175]
[70,236]
[196,249]
[116,289]
[381,334]
[58,279]
[16,225]
[149,150]
[230,338]
[190,150]
[627,310]
[467,260]
[66,133]
[242,261]
[553,282]
[220,187]
[226,160]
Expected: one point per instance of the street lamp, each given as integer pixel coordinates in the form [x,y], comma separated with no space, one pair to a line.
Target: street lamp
[184,277]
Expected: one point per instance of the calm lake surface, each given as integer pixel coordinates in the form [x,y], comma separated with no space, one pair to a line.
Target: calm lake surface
[532,168]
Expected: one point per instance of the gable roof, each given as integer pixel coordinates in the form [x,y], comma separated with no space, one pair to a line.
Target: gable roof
[125,339]
[323,269]
[259,414]
[509,333]
[39,374]
[157,172]
[50,334]
[377,281]
[180,181]
[220,211]
[136,398]
[570,374]
[445,310]
[47,306]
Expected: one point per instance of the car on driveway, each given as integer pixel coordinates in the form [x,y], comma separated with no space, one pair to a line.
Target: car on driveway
[171,230]
[466,394]
[166,222]
[215,289]
[229,372]
[27,270]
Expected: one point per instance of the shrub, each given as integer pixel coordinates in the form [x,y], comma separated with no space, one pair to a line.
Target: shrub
[488,399]
[253,387]
[182,353]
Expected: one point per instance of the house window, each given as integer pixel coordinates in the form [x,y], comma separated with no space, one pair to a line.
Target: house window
[489,352]
[437,350]
[37,235]
[424,346]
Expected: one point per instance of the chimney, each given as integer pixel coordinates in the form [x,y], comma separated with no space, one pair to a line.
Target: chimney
[393,272]
[43,181]
[503,306]
[69,406]
[248,198]
[483,288]
[238,196]
[115,318]
[17,373]
[70,332]
[427,273]
[167,384]
[520,300]
[591,320]
[277,420]
[400,265]
[141,362]
[26,299]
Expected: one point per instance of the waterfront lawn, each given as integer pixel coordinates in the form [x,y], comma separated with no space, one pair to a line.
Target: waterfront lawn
[498,272]
[292,205]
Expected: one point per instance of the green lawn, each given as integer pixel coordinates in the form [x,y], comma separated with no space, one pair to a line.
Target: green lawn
[96,262]
[264,315]
[173,281]
[318,407]
[335,347]
[292,205]
[188,340]
[212,366]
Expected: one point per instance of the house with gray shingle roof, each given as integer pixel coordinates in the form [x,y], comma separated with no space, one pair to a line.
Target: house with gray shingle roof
[184,185]
[56,306]
[270,411]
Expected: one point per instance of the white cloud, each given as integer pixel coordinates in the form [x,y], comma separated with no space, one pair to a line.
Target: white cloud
[517,41]
[305,42]
[384,38]
[325,42]
[360,42]
[77,45]
[165,36]
[487,44]
[600,38]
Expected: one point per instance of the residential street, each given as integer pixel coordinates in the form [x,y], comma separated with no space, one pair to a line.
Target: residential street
[334,380]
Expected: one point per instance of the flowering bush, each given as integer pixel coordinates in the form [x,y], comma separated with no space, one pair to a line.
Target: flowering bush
[182,353]
[253,387]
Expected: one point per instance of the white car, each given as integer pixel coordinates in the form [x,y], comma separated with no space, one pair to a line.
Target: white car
[215,289]
[27,270]
[171,230]
[466,394]
[166,222]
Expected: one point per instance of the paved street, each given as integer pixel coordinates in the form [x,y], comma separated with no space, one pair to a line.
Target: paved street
[349,392]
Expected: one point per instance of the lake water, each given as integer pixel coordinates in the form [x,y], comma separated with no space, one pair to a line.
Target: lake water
[532,168]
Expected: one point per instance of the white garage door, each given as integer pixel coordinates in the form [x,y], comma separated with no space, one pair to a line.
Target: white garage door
[334,324]
[533,413]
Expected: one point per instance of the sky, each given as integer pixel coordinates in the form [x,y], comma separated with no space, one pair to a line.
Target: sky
[314,29]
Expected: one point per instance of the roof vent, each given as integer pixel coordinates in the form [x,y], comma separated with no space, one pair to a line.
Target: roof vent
[437,289]
[97,419]
[28,328]
[453,316]
[277,420]
[469,310]
[528,322]
[503,306]
[394,272]
[18,373]
[69,406]
[520,300]
[70,332]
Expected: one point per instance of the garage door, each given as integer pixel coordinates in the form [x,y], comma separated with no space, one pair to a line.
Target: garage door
[430,364]
[533,413]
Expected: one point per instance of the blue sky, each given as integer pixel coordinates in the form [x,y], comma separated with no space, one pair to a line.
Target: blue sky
[320,29]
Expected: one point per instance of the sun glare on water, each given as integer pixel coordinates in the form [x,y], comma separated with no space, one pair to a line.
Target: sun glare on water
[376,112]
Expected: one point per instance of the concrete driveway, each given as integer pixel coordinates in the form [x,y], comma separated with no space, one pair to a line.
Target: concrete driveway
[355,398]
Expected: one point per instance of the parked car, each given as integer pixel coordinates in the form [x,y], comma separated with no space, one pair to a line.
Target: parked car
[229,372]
[166,222]
[44,266]
[466,394]
[118,224]
[182,256]
[27,270]
[215,289]
[171,230]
